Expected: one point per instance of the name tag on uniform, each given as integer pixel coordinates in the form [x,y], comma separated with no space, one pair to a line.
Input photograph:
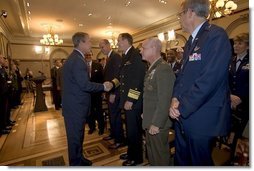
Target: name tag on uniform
[195,57]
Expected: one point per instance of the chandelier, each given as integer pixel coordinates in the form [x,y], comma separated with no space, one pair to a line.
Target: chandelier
[113,43]
[221,8]
[51,39]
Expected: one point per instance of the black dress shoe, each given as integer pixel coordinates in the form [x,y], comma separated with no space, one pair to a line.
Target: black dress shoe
[8,128]
[107,138]
[12,122]
[4,131]
[101,132]
[124,156]
[86,162]
[129,163]
[90,131]
[116,145]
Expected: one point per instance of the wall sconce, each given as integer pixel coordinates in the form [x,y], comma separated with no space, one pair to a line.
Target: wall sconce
[171,40]
[3,13]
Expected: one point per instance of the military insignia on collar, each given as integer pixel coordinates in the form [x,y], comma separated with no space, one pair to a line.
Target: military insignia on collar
[196,48]
[151,74]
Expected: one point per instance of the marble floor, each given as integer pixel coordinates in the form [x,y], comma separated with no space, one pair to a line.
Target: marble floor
[39,139]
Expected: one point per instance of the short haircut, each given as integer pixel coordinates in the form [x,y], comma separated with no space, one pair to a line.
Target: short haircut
[242,37]
[127,36]
[105,41]
[78,37]
[200,7]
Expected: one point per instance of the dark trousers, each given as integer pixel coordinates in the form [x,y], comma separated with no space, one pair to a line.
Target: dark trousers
[74,126]
[3,112]
[134,135]
[192,150]
[56,97]
[116,124]
[96,114]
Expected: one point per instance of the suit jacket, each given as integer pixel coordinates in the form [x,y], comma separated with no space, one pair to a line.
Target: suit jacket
[3,82]
[158,88]
[112,68]
[97,77]
[59,78]
[77,86]
[131,79]
[239,81]
[177,67]
[202,84]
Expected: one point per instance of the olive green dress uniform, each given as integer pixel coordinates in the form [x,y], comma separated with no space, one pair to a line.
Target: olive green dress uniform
[158,87]
[131,82]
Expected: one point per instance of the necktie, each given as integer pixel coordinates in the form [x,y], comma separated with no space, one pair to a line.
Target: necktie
[238,62]
[89,69]
[190,41]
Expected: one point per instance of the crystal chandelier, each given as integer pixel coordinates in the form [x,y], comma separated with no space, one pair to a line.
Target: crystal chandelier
[51,39]
[221,8]
[113,42]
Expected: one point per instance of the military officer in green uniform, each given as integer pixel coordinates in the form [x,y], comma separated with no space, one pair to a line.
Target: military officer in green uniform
[130,80]
[158,87]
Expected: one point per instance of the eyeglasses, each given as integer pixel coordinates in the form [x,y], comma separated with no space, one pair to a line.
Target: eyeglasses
[179,15]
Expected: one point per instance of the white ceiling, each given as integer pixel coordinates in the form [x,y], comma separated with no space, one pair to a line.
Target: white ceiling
[69,16]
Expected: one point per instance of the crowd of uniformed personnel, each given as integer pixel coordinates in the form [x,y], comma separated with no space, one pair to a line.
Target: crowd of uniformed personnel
[10,92]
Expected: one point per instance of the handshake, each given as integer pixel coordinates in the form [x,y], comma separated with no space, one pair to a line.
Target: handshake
[107,86]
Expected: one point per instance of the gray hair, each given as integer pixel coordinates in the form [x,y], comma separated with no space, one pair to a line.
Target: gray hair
[78,37]
[105,41]
[156,43]
[200,7]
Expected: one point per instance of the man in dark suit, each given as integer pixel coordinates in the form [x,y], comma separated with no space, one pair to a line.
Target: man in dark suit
[56,93]
[96,75]
[4,93]
[131,80]
[239,87]
[158,87]
[171,59]
[111,71]
[201,102]
[76,97]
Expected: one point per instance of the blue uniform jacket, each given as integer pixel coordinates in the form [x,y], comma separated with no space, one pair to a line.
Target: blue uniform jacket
[202,85]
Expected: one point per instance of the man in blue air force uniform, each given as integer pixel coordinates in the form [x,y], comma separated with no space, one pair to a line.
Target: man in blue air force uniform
[201,102]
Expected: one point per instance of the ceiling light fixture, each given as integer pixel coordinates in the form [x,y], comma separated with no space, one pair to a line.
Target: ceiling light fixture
[163,2]
[51,38]
[219,8]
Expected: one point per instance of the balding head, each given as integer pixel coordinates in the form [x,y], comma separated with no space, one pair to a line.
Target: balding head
[151,49]
[105,46]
